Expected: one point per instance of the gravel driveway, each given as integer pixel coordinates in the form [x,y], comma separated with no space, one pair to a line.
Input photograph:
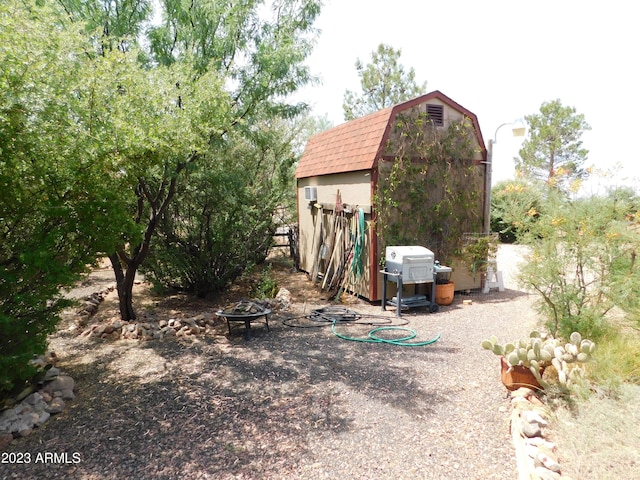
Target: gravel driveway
[295,403]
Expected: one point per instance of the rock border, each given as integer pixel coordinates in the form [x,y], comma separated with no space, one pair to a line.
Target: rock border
[147,329]
[50,398]
[536,457]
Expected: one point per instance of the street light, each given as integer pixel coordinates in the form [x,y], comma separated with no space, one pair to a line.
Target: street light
[518,128]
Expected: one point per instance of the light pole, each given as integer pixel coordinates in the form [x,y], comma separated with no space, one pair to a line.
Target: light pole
[518,129]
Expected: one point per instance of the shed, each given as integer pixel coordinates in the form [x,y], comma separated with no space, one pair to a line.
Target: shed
[342,170]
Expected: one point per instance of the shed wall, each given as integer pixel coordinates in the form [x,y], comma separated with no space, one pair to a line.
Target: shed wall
[460,276]
[355,191]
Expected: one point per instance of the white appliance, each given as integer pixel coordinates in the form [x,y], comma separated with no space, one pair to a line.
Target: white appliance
[413,262]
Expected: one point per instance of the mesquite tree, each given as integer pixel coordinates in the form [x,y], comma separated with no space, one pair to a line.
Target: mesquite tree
[58,204]
[204,71]
[222,221]
[98,130]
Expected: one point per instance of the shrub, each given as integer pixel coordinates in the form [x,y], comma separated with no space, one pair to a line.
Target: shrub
[222,222]
[267,286]
[515,207]
[617,361]
[582,264]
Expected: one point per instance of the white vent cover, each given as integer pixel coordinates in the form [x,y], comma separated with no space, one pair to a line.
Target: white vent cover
[310,194]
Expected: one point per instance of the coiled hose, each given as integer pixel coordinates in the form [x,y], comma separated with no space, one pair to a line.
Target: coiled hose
[335,316]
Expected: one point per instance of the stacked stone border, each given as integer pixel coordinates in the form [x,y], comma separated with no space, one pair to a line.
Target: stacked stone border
[151,329]
[36,404]
[536,457]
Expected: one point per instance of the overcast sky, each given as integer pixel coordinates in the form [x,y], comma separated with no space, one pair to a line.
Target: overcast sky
[501,60]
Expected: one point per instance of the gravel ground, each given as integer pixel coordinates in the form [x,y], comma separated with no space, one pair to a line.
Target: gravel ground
[295,403]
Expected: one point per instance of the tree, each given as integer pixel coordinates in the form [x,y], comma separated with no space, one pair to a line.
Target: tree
[384,83]
[208,68]
[58,208]
[98,134]
[155,127]
[553,152]
[111,24]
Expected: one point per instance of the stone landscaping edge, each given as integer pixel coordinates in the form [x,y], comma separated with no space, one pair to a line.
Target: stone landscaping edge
[535,456]
[48,398]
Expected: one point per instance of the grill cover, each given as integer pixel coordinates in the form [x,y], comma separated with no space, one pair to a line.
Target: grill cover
[415,263]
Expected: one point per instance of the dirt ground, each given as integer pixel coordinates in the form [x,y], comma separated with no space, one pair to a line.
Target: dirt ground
[292,402]
[297,402]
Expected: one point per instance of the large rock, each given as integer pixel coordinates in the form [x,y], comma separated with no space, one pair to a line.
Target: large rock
[5,440]
[283,299]
[67,394]
[531,416]
[35,409]
[44,416]
[60,383]
[25,432]
[56,405]
[531,429]
[52,373]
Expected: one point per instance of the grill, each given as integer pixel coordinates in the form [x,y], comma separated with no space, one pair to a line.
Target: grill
[409,265]
[414,263]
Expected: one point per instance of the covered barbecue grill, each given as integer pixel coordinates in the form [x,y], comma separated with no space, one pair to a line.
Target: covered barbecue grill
[410,264]
[413,262]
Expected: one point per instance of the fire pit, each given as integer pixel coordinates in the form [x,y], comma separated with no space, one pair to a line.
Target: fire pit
[245,311]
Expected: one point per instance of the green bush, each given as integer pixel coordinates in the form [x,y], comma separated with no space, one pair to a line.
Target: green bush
[617,360]
[55,199]
[223,221]
[515,207]
[36,261]
[582,264]
[267,286]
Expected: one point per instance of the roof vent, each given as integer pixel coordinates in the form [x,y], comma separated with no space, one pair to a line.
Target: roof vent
[436,114]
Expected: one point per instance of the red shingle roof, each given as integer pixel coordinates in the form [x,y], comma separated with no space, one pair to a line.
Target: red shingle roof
[355,145]
[346,148]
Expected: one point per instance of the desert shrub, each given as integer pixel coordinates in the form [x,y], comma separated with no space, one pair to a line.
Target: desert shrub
[267,286]
[223,221]
[53,198]
[582,264]
[515,206]
[617,360]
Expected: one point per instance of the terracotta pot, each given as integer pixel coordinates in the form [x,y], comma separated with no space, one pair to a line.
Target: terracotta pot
[519,376]
[444,293]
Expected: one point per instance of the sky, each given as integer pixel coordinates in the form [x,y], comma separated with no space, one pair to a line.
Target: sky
[501,60]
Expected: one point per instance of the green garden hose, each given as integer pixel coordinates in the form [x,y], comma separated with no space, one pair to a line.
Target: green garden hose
[358,248]
[339,315]
[373,338]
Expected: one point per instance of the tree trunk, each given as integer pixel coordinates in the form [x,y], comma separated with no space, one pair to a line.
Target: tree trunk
[124,285]
[158,202]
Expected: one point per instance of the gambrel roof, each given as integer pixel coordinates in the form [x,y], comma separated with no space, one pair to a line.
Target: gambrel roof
[357,145]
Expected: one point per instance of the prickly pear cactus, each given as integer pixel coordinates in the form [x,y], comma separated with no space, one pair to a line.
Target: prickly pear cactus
[540,351]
